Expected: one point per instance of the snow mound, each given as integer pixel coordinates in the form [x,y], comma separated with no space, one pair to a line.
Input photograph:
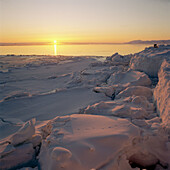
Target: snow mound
[150,60]
[84,141]
[101,142]
[92,76]
[129,78]
[137,91]
[118,81]
[134,107]
[162,94]
[117,59]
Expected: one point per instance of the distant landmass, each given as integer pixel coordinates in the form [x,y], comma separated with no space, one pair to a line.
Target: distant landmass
[149,42]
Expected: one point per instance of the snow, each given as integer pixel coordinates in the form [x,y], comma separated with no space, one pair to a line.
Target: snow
[108,90]
[162,94]
[24,133]
[127,107]
[21,147]
[117,59]
[150,60]
[28,91]
[120,80]
[137,91]
[90,113]
[129,78]
[84,141]
[21,155]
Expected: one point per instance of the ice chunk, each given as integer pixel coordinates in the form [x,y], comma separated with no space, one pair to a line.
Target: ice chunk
[127,107]
[21,155]
[162,94]
[150,60]
[137,91]
[117,59]
[129,78]
[24,133]
[108,91]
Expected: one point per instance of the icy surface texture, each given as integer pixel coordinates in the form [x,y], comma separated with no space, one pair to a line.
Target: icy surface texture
[162,94]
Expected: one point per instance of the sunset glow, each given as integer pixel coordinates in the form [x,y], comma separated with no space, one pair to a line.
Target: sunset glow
[84,84]
[83,21]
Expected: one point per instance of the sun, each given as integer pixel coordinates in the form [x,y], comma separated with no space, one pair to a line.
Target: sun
[55,41]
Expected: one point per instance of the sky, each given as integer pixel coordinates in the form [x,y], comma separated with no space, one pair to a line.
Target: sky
[84,20]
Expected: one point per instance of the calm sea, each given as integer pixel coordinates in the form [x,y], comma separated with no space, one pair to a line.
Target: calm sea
[73,50]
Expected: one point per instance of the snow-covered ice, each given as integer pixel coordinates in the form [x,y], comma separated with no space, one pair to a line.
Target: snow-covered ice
[150,59]
[59,112]
[162,94]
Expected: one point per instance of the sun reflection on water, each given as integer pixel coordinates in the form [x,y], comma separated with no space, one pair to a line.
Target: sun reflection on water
[74,50]
[55,49]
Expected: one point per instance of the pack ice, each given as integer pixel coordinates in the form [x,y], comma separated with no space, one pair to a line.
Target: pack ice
[127,128]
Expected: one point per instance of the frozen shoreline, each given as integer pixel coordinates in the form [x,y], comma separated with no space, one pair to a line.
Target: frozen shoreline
[116,128]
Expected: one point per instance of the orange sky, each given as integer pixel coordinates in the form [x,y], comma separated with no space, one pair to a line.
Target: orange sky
[83,20]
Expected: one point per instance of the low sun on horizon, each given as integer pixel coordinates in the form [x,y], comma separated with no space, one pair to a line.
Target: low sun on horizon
[84,84]
[112,21]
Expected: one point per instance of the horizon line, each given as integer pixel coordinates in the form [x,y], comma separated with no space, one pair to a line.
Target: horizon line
[84,43]
[51,43]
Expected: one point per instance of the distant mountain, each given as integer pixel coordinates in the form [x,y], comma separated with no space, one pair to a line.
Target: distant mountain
[149,42]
